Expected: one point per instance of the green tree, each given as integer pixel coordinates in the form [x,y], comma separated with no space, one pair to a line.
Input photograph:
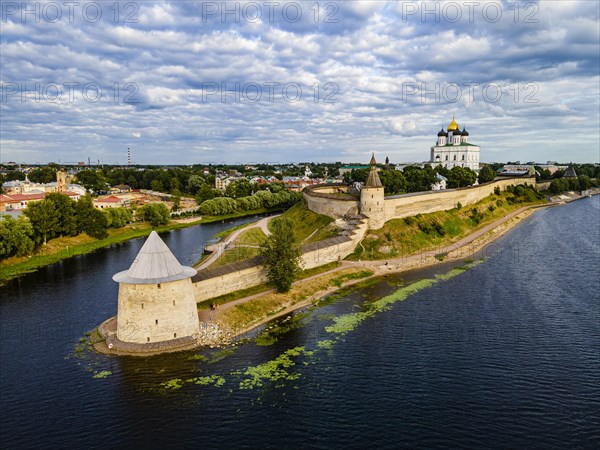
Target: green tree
[42,175]
[393,181]
[92,180]
[559,185]
[281,255]
[155,213]
[206,193]
[195,182]
[16,236]
[419,180]
[461,177]
[13,175]
[118,217]
[584,182]
[45,219]
[90,220]
[486,174]
[67,218]
[239,188]
[156,185]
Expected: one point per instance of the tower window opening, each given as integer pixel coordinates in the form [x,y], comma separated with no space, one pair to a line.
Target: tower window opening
[148,339]
[372,196]
[159,285]
[454,157]
[142,306]
[173,302]
[156,321]
[463,157]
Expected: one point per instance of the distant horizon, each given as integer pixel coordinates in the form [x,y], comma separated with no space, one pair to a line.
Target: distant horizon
[299,163]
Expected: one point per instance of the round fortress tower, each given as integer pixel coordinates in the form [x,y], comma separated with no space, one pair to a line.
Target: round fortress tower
[156,297]
[372,198]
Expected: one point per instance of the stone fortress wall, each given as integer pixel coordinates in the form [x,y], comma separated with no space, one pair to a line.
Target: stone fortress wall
[398,206]
[334,201]
[211,283]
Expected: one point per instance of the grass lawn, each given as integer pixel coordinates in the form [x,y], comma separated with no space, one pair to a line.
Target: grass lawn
[252,311]
[263,287]
[253,236]
[305,222]
[235,254]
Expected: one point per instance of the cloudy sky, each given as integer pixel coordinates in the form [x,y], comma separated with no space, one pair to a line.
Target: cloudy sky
[197,82]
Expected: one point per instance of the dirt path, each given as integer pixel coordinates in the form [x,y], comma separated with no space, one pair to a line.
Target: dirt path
[220,247]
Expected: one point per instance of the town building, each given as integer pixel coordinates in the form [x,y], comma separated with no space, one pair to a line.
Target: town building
[27,187]
[453,149]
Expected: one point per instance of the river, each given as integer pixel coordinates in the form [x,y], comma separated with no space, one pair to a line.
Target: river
[504,355]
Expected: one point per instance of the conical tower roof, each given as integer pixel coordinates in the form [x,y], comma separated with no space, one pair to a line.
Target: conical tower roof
[570,172]
[373,179]
[154,264]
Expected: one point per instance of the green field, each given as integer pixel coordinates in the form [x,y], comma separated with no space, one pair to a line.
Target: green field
[306,222]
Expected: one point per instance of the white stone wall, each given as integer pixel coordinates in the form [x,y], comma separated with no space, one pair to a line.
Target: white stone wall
[426,202]
[331,206]
[147,313]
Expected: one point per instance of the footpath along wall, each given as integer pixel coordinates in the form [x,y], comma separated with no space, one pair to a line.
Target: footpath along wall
[210,283]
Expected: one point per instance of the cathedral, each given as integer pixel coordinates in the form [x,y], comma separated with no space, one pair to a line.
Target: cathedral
[452,149]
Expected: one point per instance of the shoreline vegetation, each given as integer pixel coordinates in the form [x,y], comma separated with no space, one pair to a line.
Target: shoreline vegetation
[62,248]
[241,312]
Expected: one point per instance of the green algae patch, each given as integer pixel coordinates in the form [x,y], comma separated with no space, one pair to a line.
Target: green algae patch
[326,344]
[174,384]
[273,370]
[214,380]
[197,358]
[103,374]
[221,355]
[272,334]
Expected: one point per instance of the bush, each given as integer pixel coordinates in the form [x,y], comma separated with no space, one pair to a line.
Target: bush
[459,205]
[499,203]
[155,213]
[497,190]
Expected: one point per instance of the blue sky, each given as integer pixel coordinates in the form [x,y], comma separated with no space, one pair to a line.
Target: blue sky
[197,82]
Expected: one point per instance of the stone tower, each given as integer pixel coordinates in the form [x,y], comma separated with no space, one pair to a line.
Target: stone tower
[156,297]
[61,180]
[371,198]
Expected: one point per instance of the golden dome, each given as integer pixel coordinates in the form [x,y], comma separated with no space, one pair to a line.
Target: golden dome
[453,125]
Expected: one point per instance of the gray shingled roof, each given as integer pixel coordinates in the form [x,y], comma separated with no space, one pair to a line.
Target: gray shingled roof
[154,264]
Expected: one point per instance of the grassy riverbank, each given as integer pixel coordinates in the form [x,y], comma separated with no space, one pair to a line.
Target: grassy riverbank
[62,248]
[250,313]
[424,232]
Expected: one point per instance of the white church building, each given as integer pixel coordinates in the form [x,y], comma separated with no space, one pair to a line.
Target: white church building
[452,149]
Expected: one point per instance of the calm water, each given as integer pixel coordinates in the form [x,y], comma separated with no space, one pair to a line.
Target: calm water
[505,355]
